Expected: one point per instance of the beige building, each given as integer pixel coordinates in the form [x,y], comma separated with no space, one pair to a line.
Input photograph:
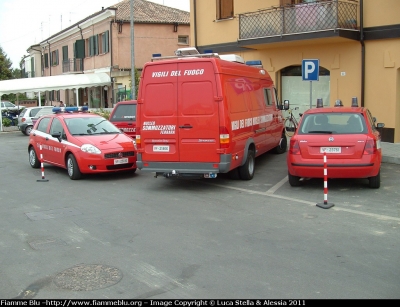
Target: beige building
[101,43]
[356,43]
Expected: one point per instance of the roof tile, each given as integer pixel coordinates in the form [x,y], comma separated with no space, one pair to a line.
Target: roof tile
[150,12]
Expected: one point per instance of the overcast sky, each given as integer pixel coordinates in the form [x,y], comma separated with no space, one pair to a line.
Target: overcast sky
[24,23]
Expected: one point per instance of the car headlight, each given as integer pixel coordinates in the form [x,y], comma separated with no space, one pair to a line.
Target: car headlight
[90,149]
[134,144]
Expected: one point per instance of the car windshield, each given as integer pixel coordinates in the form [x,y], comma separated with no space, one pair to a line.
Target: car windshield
[333,123]
[7,104]
[92,125]
[124,112]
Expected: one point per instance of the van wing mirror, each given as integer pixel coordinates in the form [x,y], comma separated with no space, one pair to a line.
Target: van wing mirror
[286,104]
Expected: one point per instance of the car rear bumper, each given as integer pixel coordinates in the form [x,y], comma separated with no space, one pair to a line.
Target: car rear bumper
[351,169]
[185,168]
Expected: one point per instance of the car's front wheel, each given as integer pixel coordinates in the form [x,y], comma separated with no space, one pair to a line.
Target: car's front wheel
[33,159]
[73,169]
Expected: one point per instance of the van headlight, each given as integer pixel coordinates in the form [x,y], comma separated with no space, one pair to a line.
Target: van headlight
[89,148]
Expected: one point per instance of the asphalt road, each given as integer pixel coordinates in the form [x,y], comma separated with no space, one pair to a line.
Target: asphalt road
[134,236]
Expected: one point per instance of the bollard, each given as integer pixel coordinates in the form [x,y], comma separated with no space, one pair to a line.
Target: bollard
[41,166]
[325,204]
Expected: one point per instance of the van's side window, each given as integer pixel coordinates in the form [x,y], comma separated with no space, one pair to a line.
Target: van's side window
[268,96]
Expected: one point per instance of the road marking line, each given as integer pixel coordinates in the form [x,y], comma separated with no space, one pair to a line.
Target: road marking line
[279,184]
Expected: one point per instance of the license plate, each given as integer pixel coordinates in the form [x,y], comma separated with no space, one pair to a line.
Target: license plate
[163,148]
[120,161]
[331,149]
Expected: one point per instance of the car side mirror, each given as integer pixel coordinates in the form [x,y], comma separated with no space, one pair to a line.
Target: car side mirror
[57,135]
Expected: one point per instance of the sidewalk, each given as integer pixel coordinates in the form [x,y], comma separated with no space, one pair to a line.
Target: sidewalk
[390,151]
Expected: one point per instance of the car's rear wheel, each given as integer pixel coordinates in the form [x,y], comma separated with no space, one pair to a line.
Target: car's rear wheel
[28,130]
[294,181]
[246,171]
[375,181]
[73,169]
[33,158]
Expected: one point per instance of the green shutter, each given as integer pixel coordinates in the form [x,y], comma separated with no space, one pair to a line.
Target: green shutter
[57,57]
[32,67]
[80,49]
[65,53]
[105,42]
[96,44]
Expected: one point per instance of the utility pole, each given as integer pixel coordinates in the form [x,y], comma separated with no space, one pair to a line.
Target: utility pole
[133,89]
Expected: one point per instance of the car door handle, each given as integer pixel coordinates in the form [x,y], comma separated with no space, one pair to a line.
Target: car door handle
[186,126]
[47,138]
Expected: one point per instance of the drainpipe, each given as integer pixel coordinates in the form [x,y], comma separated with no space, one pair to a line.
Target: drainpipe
[111,65]
[49,59]
[362,52]
[195,24]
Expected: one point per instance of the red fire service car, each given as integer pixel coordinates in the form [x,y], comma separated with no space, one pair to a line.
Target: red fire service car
[81,142]
[350,138]
[123,116]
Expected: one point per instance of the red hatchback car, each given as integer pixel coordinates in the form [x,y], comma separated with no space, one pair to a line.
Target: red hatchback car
[81,142]
[348,135]
[123,116]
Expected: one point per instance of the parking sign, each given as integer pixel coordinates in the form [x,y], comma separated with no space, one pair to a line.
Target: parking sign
[310,70]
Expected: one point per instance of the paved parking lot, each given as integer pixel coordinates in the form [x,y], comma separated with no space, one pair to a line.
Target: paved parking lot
[135,236]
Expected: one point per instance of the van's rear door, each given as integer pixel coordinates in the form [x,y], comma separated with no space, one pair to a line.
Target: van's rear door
[179,118]
[198,115]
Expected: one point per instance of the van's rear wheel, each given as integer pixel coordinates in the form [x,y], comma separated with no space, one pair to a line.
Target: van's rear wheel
[234,174]
[246,171]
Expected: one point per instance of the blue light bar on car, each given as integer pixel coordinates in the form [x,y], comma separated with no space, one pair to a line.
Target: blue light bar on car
[70,109]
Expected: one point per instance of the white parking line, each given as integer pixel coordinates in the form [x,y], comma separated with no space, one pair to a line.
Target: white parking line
[272,190]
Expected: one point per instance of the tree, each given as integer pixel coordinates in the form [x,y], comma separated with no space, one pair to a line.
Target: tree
[5,66]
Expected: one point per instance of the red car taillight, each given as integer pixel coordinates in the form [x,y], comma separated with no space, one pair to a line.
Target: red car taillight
[294,147]
[23,119]
[224,138]
[370,147]
[138,141]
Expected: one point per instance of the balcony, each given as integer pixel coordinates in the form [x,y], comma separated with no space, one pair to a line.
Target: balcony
[72,66]
[296,22]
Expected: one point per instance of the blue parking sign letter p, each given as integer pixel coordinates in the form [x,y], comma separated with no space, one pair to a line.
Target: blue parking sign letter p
[310,70]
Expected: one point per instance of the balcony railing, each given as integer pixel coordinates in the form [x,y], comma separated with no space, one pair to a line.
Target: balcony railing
[300,18]
[72,65]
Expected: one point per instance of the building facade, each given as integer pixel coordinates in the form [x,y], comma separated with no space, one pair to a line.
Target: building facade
[356,43]
[101,43]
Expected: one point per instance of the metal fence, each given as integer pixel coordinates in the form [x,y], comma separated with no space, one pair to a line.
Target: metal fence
[72,65]
[300,18]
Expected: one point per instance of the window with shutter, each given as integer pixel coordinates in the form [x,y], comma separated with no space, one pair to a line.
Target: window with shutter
[224,9]
[65,53]
[79,49]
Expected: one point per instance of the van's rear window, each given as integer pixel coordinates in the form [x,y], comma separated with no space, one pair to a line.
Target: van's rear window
[124,112]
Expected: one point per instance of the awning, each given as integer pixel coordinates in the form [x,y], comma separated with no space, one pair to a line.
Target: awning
[61,82]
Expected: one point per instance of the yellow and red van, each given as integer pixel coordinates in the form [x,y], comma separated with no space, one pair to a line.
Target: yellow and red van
[204,114]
